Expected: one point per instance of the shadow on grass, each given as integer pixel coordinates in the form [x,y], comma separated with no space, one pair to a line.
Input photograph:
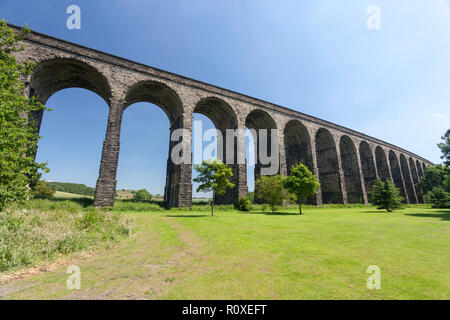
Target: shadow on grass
[187,215]
[444,215]
[84,202]
[270,213]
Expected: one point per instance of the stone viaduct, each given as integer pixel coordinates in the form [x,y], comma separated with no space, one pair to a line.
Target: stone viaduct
[345,161]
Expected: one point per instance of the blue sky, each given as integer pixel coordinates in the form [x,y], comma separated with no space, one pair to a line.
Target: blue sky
[316,56]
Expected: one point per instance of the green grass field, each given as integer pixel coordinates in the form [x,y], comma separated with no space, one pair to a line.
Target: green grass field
[323,254]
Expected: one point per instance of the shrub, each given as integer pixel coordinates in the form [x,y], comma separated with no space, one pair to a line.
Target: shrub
[142,195]
[42,191]
[243,204]
[438,198]
[386,196]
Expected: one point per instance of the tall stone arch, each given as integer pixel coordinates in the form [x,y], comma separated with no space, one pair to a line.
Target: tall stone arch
[397,176]
[260,121]
[419,168]
[407,179]
[367,165]
[327,163]
[382,164]
[297,148]
[224,117]
[415,180]
[178,188]
[350,167]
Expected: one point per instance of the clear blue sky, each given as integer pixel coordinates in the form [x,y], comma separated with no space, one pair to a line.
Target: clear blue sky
[316,56]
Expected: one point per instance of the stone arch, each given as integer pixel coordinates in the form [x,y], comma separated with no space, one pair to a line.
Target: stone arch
[167,99]
[415,178]
[260,120]
[350,168]
[424,166]
[297,144]
[223,116]
[407,179]
[419,168]
[297,148]
[396,173]
[53,75]
[327,163]
[158,94]
[382,164]
[367,165]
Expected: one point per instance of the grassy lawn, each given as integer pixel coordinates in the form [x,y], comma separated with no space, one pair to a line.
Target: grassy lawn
[323,254]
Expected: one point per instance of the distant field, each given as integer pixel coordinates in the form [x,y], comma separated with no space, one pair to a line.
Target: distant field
[60,194]
[323,254]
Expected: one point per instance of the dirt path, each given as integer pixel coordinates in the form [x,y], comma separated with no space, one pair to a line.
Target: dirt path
[143,267]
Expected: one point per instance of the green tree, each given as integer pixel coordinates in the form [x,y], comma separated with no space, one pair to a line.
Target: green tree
[433,176]
[213,176]
[438,197]
[41,190]
[445,148]
[18,168]
[301,183]
[386,196]
[142,195]
[270,190]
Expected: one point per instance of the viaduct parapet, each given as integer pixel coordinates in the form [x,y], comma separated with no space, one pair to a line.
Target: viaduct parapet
[345,161]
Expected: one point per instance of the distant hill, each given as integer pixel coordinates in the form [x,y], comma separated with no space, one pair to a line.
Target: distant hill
[74,188]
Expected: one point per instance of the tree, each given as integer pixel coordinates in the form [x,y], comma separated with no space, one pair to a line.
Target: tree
[445,148]
[433,176]
[18,143]
[438,197]
[41,190]
[213,176]
[142,195]
[270,190]
[386,196]
[301,183]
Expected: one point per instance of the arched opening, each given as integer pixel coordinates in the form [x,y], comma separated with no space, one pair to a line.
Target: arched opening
[407,178]
[424,166]
[396,173]
[327,163]
[213,113]
[261,126]
[382,164]
[73,134]
[146,143]
[367,165]
[297,148]
[74,131]
[350,167]
[415,178]
[419,168]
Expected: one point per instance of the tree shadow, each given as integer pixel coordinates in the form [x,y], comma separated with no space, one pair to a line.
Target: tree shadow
[270,213]
[187,215]
[444,215]
[84,202]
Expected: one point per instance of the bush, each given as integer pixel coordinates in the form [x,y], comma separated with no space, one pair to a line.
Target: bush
[438,198]
[243,204]
[42,191]
[386,196]
[142,195]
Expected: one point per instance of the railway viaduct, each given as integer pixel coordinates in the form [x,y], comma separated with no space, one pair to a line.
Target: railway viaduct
[345,161]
